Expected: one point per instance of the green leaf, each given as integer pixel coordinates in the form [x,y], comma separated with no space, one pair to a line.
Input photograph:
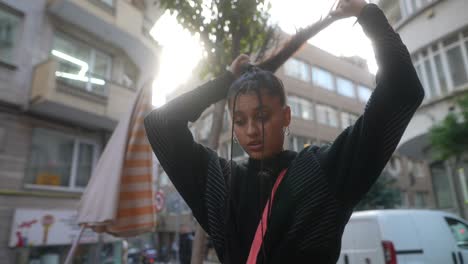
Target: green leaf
[220,15]
[449,138]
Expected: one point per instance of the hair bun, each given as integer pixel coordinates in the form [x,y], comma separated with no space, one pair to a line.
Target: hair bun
[247,68]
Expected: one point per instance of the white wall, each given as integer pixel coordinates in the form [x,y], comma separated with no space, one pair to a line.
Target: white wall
[448,16]
[425,118]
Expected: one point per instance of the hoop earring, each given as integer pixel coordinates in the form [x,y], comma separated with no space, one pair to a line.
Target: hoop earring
[287,131]
[235,140]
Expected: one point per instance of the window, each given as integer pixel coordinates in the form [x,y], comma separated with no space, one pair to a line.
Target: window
[60,160]
[347,119]
[404,197]
[418,169]
[364,93]
[322,78]
[422,77]
[457,66]
[420,200]
[297,69]
[392,10]
[326,115]
[81,66]
[321,114]
[429,76]
[394,167]
[130,75]
[345,87]
[107,2]
[410,7]
[441,185]
[9,25]
[298,143]
[440,74]
[466,42]
[398,10]
[459,231]
[443,66]
[301,108]
[296,108]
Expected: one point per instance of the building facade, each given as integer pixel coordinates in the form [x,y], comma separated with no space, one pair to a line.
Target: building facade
[68,70]
[436,34]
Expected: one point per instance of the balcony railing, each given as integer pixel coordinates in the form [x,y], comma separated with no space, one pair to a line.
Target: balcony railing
[77,93]
[88,83]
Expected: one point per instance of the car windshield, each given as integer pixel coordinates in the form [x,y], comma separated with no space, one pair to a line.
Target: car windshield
[459,231]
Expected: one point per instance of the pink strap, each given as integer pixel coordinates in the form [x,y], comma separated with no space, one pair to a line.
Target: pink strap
[259,235]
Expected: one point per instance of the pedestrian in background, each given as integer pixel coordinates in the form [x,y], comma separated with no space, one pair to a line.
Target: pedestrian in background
[185,245]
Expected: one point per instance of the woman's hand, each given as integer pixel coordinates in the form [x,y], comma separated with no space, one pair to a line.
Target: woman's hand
[236,65]
[348,8]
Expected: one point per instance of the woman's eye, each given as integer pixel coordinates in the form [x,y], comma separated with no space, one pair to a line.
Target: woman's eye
[238,122]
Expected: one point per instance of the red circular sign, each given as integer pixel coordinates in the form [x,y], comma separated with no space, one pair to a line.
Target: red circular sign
[48,220]
[159,198]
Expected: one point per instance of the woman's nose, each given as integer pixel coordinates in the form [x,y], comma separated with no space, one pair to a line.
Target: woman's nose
[252,129]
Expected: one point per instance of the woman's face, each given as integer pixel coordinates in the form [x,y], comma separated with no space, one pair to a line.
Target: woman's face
[248,123]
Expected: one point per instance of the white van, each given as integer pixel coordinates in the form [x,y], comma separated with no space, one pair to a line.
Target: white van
[404,237]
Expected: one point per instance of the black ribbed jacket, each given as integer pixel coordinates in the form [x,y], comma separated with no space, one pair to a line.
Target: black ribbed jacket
[322,185]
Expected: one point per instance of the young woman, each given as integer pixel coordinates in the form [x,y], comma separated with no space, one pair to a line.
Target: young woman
[316,189]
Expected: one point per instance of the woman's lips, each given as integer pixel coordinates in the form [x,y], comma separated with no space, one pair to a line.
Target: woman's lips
[255,147]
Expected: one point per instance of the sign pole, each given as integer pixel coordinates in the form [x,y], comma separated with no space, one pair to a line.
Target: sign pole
[71,253]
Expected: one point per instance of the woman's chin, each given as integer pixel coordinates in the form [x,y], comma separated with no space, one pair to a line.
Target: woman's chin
[255,155]
[259,155]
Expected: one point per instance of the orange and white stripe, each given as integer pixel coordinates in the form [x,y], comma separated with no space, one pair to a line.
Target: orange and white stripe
[135,211]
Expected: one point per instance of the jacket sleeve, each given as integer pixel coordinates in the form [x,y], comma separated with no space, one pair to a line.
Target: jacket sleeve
[185,161]
[354,161]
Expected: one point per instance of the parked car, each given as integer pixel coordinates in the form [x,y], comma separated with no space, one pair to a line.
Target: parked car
[134,256]
[404,237]
[149,256]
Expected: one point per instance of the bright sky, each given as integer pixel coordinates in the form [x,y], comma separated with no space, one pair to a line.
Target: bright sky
[181,51]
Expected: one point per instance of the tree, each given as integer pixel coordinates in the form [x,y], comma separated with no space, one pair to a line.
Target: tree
[449,140]
[225,28]
[382,195]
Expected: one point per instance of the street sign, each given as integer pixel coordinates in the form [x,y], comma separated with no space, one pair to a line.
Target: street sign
[37,227]
[160,202]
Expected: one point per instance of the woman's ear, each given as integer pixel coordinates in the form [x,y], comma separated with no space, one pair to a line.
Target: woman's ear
[286,116]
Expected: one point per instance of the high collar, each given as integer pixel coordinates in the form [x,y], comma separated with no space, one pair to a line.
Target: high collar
[273,164]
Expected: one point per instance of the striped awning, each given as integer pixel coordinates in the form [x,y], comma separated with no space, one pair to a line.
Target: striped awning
[119,198]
